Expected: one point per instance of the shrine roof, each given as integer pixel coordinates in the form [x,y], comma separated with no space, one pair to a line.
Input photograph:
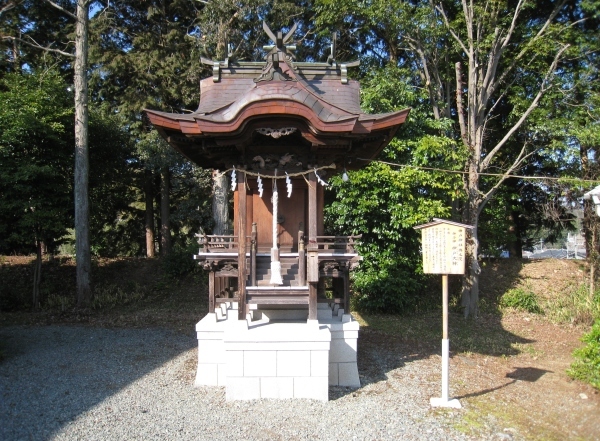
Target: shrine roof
[314,100]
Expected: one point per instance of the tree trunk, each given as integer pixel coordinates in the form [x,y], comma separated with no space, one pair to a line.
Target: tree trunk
[165,211]
[82,214]
[37,276]
[220,205]
[470,286]
[149,194]
[515,246]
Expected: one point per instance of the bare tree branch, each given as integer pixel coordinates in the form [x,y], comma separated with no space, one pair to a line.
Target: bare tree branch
[486,161]
[7,7]
[39,46]
[513,24]
[440,9]
[525,49]
[516,164]
[61,9]
[459,104]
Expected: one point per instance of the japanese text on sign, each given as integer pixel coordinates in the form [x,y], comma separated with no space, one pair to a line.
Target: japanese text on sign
[443,249]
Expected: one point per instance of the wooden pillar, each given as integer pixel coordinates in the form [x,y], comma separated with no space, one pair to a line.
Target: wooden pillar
[313,256]
[241,228]
[211,291]
[301,259]
[346,279]
[253,248]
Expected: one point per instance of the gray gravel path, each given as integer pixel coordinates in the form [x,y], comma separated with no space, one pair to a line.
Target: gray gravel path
[82,383]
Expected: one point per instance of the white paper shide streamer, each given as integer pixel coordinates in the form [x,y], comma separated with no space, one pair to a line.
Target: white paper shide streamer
[321,181]
[233,180]
[275,263]
[260,187]
[288,183]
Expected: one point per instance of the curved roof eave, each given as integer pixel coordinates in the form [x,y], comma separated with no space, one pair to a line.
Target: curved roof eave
[280,108]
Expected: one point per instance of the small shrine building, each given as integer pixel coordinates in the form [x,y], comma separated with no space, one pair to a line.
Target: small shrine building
[278,128]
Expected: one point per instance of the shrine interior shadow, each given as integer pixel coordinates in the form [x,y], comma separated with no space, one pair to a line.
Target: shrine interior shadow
[50,375]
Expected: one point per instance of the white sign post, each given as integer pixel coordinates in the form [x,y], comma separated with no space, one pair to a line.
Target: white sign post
[443,244]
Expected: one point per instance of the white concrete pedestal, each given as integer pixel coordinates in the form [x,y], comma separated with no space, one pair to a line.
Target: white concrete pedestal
[279,354]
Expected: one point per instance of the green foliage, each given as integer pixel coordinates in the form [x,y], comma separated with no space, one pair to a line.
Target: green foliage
[521,298]
[384,203]
[181,260]
[112,296]
[587,364]
[36,165]
[36,120]
[59,302]
[576,307]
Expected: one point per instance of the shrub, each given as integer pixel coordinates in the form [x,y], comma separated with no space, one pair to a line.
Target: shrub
[520,298]
[587,359]
[181,260]
[110,296]
[59,302]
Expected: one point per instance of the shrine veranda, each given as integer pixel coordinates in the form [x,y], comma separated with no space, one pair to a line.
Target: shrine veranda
[279,322]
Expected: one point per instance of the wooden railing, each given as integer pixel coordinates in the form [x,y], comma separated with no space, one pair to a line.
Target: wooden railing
[338,244]
[219,243]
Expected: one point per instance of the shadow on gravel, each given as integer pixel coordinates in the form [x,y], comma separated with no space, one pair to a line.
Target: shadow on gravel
[391,342]
[51,375]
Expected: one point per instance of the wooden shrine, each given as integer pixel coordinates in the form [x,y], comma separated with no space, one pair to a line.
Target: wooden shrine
[279,126]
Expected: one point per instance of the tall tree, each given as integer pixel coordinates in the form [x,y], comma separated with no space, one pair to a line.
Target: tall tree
[470,56]
[35,160]
[82,162]
[80,56]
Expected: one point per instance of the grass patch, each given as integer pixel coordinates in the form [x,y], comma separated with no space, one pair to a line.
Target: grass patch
[112,296]
[522,299]
[484,416]
[587,359]
[484,335]
[575,306]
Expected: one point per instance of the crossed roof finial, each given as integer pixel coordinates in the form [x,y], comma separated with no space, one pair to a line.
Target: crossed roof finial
[280,41]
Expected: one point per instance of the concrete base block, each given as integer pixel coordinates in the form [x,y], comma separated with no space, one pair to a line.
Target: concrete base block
[343,350]
[315,388]
[282,355]
[334,374]
[293,363]
[283,314]
[348,375]
[277,387]
[319,363]
[207,375]
[441,402]
[242,388]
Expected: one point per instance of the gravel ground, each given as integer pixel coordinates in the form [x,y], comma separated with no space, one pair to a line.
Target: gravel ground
[83,383]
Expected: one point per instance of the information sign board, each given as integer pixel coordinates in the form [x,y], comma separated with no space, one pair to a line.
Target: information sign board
[443,249]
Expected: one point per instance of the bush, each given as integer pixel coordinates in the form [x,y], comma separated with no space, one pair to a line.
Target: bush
[392,288]
[111,296]
[587,359]
[181,260]
[520,298]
